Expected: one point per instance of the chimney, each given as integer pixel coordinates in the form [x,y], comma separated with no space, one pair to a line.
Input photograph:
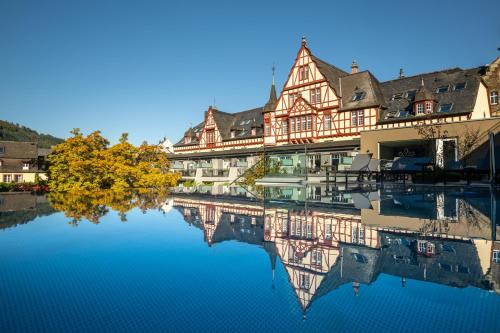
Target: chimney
[401,73]
[354,67]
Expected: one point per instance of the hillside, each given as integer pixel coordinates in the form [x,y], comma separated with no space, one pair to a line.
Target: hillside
[16,132]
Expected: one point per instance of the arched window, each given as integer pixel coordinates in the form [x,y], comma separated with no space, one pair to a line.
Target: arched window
[494,98]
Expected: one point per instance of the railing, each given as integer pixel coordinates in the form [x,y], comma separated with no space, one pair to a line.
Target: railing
[188,173]
[215,173]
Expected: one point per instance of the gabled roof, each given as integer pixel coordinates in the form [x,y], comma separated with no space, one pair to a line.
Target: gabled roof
[399,104]
[362,82]
[331,73]
[18,150]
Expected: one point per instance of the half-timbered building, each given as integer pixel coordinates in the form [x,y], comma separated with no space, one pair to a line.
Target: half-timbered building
[324,116]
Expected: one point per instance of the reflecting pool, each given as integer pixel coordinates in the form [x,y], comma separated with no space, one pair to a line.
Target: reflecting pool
[308,259]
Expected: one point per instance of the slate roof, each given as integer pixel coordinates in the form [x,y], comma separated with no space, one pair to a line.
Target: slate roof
[362,82]
[18,150]
[463,101]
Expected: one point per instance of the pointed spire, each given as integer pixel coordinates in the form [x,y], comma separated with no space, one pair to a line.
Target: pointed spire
[303,41]
[271,102]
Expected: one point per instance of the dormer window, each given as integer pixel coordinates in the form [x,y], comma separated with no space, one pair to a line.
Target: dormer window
[358,96]
[420,108]
[254,130]
[233,134]
[187,140]
[303,73]
[26,166]
[459,86]
[428,107]
[410,94]
[445,107]
[397,96]
[442,89]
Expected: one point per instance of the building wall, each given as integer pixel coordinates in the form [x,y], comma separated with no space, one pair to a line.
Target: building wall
[492,80]
[370,140]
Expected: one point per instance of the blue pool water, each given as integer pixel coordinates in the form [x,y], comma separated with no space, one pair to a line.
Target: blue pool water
[206,262]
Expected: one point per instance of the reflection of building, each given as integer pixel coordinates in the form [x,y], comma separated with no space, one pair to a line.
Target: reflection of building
[324,248]
[21,208]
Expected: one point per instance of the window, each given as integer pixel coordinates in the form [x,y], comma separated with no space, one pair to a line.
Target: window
[268,129]
[442,89]
[354,118]
[18,178]
[360,258]
[1,163]
[233,133]
[410,94]
[284,126]
[2,149]
[397,96]
[297,124]
[402,114]
[428,107]
[358,96]
[254,130]
[496,256]
[7,178]
[304,281]
[292,125]
[187,139]
[328,122]
[211,137]
[291,99]
[309,123]
[361,118]
[315,95]
[316,257]
[328,232]
[26,166]
[459,86]
[445,107]
[420,108]
[303,73]
[303,123]
[493,99]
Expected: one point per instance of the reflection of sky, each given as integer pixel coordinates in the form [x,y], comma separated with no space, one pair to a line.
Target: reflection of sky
[155,273]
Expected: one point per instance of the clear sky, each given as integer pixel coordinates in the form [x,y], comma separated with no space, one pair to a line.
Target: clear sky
[151,67]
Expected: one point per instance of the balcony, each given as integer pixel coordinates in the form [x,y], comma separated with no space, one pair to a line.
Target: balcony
[215,173]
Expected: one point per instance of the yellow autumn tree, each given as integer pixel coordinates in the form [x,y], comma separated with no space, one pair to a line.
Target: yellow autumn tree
[88,163]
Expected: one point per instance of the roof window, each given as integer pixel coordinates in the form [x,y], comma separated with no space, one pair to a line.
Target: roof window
[445,107]
[442,89]
[410,94]
[358,96]
[459,86]
[397,96]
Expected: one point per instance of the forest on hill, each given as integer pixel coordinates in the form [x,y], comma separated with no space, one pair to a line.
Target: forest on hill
[16,132]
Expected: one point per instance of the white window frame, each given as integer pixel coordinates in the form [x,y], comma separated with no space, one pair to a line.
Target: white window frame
[496,256]
[494,97]
[7,178]
[309,122]
[428,107]
[284,126]
[26,166]
[18,178]
[361,118]
[327,122]
[354,119]
[420,108]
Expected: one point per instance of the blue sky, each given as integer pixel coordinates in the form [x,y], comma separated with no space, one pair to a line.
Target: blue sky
[150,68]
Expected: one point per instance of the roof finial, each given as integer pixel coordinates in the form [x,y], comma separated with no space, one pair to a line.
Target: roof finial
[401,73]
[273,69]
[354,67]
[422,82]
[304,41]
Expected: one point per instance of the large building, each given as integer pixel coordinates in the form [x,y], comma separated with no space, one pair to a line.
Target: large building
[322,114]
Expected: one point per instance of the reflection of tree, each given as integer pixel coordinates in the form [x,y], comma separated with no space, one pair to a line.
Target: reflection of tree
[93,205]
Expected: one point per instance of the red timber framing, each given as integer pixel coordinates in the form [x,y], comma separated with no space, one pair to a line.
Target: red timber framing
[313,97]
[210,138]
